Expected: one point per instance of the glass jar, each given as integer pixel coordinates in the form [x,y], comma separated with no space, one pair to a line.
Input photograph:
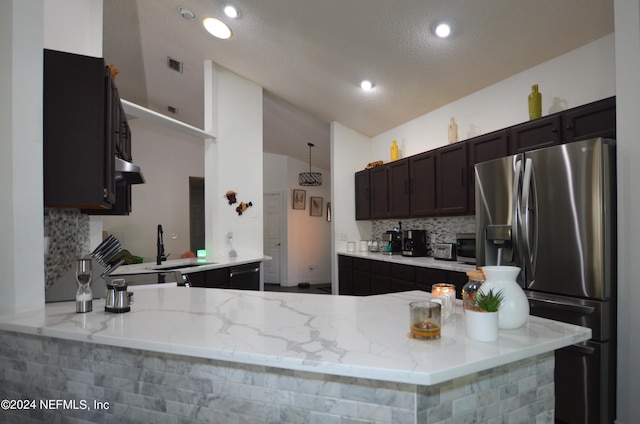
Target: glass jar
[476,278]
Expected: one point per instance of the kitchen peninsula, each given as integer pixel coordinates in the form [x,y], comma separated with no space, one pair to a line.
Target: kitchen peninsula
[210,355]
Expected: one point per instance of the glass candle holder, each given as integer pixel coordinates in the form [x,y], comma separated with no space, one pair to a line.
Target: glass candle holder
[446,292]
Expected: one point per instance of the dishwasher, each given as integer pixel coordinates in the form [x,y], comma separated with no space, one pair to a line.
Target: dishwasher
[245,277]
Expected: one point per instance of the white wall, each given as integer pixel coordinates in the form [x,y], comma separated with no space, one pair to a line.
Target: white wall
[627,52]
[234,162]
[167,159]
[21,223]
[581,76]
[74,26]
[350,152]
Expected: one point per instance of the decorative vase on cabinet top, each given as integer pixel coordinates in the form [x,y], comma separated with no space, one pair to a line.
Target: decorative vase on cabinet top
[514,310]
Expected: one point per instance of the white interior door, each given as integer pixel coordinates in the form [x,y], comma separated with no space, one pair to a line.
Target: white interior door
[273,237]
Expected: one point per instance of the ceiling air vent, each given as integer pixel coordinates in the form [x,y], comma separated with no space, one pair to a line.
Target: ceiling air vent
[174,64]
[172,109]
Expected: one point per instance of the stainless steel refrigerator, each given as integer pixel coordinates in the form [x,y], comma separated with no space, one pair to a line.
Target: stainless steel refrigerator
[552,212]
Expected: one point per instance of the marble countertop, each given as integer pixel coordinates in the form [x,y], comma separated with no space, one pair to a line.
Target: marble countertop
[421,261]
[186,266]
[338,335]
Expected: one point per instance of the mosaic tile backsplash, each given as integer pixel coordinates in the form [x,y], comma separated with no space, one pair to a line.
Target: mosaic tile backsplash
[68,232]
[444,229]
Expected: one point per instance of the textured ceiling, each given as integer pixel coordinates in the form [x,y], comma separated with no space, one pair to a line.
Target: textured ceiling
[309,55]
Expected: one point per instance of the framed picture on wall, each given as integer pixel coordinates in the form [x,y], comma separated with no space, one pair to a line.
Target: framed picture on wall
[315,208]
[299,199]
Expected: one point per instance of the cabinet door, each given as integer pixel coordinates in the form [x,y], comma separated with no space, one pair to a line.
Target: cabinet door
[536,134]
[398,185]
[78,164]
[481,149]
[363,198]
[403,277]
[451,165]
[345,275]
[596,119]
[361,277]
[426,277]
[422,184]
[378,190]
[379,281]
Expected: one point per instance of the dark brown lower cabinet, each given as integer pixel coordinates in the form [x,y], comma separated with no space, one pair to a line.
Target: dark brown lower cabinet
[380,281]
[345,274]
[363,277]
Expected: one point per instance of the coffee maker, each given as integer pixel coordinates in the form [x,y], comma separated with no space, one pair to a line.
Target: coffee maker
[414,243]
[392,243]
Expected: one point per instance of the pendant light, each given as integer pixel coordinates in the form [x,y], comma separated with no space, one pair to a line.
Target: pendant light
[310,178]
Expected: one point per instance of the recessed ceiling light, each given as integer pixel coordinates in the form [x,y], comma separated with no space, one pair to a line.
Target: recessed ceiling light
[186,14]
[366,85]
[442,29]
[230,10]
[217,28]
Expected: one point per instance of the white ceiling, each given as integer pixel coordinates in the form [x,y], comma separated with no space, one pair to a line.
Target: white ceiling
[310,55]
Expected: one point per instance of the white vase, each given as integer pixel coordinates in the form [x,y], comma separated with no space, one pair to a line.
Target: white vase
[514,310]
[481,326]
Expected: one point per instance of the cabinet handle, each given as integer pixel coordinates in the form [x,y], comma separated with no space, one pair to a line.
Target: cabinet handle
[462,176]
[569,128]
[554,130]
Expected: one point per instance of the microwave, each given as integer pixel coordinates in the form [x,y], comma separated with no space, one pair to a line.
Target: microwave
[466,247]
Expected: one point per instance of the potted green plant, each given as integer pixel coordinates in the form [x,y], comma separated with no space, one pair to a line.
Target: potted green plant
[481,318]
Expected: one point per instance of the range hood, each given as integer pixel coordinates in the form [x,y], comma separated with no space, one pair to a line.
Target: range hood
[128,171]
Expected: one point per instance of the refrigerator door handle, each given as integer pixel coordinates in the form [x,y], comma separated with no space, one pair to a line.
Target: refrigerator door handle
[526,209]
[560,305]
[517,174]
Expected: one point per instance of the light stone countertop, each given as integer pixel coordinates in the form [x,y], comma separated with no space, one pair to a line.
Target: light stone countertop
[189,265]
[352,336]
[421,261]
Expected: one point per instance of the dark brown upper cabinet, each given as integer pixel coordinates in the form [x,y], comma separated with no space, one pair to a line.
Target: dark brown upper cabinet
[536,134]
[451,188]
[481,149]
[422,184]
[77,151]
[442,181]
[379,192]
[363,195]
[597,119]
[398,185]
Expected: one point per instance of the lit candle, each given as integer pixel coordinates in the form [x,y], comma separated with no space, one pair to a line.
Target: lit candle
[448,294]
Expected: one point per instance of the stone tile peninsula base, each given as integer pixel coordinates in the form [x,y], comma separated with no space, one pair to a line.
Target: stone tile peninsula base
[137,386]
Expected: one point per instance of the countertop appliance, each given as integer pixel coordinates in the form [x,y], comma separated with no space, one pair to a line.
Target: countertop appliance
[552,212]
[392,240]
[444,251]
[466,247]
[414,243]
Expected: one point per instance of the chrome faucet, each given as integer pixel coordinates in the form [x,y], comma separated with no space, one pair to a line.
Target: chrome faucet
[160,245]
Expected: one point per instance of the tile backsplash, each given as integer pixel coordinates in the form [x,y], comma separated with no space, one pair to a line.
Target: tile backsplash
[443,229]
[68,234]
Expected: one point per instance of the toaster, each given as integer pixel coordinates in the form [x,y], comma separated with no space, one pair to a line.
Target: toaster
[444,251]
